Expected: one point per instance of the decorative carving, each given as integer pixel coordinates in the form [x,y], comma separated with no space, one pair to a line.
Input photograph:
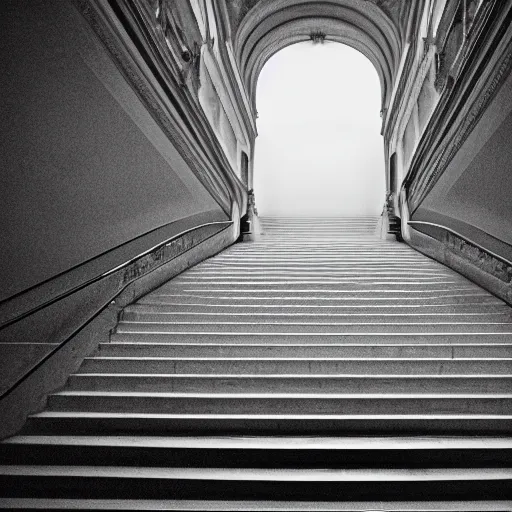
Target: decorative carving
[480,258]
[172,30]
[317,37]
[472,8]
[446,58]
[185,49]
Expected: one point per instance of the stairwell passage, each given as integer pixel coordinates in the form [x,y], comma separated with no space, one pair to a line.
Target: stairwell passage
[318,368]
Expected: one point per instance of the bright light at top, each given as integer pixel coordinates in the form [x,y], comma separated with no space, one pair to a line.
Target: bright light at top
[319,150]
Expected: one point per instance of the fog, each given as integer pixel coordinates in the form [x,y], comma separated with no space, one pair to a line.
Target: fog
[319,151]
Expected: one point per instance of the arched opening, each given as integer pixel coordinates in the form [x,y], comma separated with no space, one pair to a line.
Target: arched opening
[376,30]
[319,151]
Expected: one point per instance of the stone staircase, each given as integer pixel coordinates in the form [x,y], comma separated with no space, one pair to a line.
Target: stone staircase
[318,368]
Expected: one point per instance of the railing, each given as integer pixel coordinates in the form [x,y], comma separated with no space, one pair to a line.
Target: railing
[499,257]
[26,305]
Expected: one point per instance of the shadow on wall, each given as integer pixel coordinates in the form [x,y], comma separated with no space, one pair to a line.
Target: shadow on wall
[319,151]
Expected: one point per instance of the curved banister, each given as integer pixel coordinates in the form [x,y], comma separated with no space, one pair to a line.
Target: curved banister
[102,303]
[462,237]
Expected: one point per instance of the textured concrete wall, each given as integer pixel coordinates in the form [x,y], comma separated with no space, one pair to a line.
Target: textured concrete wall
[85,167]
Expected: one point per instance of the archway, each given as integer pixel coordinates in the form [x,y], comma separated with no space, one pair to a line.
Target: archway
[319,150]
[374,27]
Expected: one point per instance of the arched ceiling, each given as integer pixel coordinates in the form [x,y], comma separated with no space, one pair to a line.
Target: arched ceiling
[260,28]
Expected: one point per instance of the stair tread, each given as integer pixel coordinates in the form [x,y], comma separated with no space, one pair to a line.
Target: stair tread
[288,396]
[180,344]
[276,442]
[263,474]
[290,376]
[317,334]
[316,324]
[92,414]
[255,506]
[302,359]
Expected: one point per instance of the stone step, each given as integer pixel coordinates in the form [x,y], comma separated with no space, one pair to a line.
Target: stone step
[122,482]
[352,247]
[313,230]
[322,288]
[301,366]
[251,281]
[317,318]
[311,261]
[124,423]
[344,224]
[318,221]
[316,232]
[454,351]
[283,404]
[343,233]
[427,384]
[298,326]
[358,244]
[320,338]
[317,297]
[333,258]
[298,234]
[259,452]
[265,275]
[336,266]
[429,310]
[216,269]
[252,506]
[324,253]
[327,261]
[235,270]
[290,300]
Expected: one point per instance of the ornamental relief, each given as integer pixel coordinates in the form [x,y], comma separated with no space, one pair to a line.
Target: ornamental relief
[178,36]
[480,258]
[455,28]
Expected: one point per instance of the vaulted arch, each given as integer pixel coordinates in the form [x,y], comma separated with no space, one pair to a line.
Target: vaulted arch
[271,25]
